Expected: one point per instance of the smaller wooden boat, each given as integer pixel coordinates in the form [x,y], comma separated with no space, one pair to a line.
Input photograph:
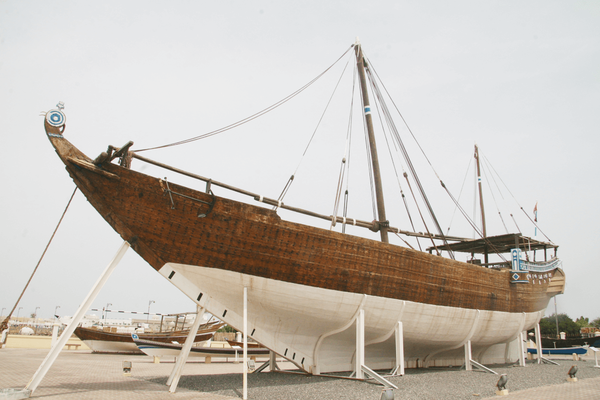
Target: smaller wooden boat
[235,343]
[101,341]
[162,349]
[570,342]
[580,350]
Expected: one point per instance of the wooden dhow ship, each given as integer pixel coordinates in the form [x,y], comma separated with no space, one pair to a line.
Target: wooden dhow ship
[325,300]
[108,341]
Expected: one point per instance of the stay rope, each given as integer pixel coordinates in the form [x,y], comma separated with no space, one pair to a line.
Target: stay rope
[344,176]
[290,181]
[372,71]
[405,154]
[521,207]
[251,117]
[390,124]
[459,196]
[4,323]
[486,171]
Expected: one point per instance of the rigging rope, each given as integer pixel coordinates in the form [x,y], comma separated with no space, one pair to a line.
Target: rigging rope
[521,207]
[4,323]
[389,122]
[414,175]
[251,117]
[290,181]
[460,194]
[406,155]
[486,171]
[349,149]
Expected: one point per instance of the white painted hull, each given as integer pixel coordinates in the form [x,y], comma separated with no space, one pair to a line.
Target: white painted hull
[159,350]
[106,346]
[315,328]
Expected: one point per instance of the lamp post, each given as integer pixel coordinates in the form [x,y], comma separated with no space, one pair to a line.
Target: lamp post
[35,320]
[148,316]
[18,311]
[2,313]
[56,308]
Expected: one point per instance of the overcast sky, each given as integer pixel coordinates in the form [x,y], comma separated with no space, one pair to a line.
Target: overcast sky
[519,78]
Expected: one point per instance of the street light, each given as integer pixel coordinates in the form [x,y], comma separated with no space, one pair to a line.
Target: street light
[35,320]
[2,313]
[56,308]
[148,316]
[18,311]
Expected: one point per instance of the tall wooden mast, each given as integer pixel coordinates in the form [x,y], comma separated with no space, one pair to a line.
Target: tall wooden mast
[383,222]
[481,199]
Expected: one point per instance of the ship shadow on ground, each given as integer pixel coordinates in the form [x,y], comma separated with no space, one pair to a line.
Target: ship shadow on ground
[277,383]
[419,384]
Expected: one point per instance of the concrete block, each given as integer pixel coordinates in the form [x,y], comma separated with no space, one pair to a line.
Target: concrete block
[13,394]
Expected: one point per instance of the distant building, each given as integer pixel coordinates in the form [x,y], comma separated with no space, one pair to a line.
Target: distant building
[590,332]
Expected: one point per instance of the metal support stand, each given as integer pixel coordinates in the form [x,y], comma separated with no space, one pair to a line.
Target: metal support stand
[522,348]
[87,303]
[173,380]
[399,338]
[262,367]
[245,367]
[377,377]
[470,363]
[538,343]
[273,361]
[360,344]
[548,361]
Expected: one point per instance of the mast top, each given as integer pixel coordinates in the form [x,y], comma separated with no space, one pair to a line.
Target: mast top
[382,222]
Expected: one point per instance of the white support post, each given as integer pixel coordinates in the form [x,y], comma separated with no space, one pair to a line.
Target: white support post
[399,336]
[87,303]
[245,367]
[55,327]
[173,380]
[468,365]
[360,344]
[538,343]
[522,348]
[273,361]
[595,350]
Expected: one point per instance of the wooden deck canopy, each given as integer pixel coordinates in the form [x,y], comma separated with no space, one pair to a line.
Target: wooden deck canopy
[500,244]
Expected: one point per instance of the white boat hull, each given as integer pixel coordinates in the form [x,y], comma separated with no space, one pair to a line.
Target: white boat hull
[315,328]
[105,346]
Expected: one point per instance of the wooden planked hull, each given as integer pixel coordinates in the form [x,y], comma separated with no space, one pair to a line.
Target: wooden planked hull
[196,239]
[101,341]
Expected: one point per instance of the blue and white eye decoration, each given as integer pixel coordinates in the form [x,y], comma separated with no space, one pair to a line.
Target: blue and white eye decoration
[55,118]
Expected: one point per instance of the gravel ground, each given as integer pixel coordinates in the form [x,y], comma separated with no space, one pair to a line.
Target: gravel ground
[81,375]
[432,383]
